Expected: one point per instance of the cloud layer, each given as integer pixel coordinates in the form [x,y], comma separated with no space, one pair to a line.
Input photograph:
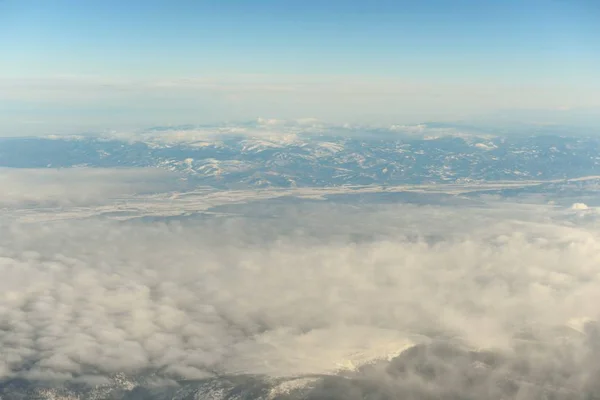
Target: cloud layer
[72,104]
[485,298]
[79,186]
[85,299]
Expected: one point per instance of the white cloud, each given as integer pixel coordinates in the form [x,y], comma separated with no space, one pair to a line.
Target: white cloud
[275,132]
[579,206]
[317,289]
[92,298]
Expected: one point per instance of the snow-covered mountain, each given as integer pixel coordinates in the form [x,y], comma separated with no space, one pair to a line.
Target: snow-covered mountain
[287,157]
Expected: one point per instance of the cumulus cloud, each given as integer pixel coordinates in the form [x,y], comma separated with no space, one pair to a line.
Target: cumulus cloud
[280,131]
[579,206]
[88,298]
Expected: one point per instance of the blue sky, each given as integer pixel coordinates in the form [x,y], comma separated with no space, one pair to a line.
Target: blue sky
[103,63]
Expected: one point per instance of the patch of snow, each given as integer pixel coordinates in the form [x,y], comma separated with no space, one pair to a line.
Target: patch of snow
[333,147]
[484,146]
[289,386]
